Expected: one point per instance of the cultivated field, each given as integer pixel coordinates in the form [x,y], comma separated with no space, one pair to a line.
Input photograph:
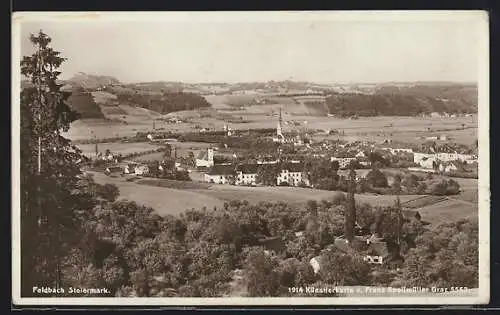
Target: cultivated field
[448,211]
[127,120]
[118,147]
[293,195]
[163,200]
[175,197]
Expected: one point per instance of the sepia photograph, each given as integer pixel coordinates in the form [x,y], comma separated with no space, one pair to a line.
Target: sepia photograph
[250,158]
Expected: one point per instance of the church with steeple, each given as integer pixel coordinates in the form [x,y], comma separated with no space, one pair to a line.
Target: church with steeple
[282,137]
[279,130]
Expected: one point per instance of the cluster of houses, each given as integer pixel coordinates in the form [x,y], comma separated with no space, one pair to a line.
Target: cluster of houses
[289,174]
[128,169]
[374,249]
[442,161]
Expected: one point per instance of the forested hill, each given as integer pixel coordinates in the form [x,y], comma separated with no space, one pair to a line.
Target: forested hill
[406,101]
[84,104]
[164,103]
[80,100]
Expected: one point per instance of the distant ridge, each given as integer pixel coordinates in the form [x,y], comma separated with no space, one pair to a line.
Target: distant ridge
[91,81]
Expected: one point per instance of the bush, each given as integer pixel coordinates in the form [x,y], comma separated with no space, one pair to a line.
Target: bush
[376,178]
[444,187]
[339,198]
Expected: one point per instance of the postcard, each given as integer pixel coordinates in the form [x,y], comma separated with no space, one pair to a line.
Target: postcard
[250,158]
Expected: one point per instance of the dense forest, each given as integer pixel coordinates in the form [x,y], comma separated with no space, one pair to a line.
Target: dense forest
[164,103]
[83,103]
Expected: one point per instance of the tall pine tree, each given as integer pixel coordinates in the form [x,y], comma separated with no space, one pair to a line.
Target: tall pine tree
[49,169]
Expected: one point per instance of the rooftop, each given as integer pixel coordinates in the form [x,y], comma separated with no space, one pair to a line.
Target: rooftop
[221,169]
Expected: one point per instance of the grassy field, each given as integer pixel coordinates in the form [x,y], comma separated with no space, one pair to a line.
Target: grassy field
[163,200]
[129,120]
[448,211]
[293,195]
[175,184]
[172,197]
[118,147]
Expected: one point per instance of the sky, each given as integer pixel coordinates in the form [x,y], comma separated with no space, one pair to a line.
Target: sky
[235,47]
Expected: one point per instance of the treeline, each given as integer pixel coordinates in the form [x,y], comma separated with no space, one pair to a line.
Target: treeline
[395,104]
[165,103]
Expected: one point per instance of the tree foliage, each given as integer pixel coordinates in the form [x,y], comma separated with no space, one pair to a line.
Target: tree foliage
[49,203]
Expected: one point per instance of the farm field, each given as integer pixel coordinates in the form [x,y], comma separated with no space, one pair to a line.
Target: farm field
[182,149]
[448,211]
[293,195]
[82,129]
[163,200]
[118,147]
[169,200]
[405,129]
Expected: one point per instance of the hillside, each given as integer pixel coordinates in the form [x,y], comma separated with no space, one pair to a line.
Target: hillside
[164,103]
[296,98]
[405,101]
[90,81]
[83,103]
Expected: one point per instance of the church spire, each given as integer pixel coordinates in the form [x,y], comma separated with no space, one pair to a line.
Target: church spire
[279,129]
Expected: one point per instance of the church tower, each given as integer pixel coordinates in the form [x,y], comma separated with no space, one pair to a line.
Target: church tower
[279,128]
[210,156]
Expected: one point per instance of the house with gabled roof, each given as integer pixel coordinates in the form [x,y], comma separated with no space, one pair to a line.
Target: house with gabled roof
[375,250]
[221,174]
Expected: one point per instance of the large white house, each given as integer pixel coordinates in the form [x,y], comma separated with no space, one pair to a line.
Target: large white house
[292,174]
[343,162]
[426,159]
[246,174]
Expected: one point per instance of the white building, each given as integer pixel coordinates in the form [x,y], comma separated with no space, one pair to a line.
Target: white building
[450,157]
[292,174]
[141,170]
[129,168]
[343,162]
[220,174]
[246,174]
[419,157]
[360,154]
[448,167]
[205,158]
[428,162]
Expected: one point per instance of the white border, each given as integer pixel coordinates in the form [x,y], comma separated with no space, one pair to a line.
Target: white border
[421,16]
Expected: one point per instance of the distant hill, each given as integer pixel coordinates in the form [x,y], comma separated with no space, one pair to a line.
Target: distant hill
[90,81]
[162,97]
[406,101]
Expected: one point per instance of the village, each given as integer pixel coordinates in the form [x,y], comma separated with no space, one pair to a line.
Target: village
[288,169]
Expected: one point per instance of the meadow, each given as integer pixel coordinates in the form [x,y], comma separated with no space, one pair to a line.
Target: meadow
[118,147]
[124,120]
[173,197]
[164,200]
